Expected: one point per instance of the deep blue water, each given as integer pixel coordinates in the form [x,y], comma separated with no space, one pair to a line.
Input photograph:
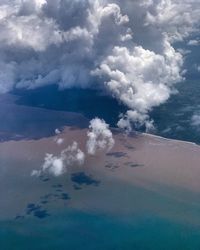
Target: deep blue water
[172,119]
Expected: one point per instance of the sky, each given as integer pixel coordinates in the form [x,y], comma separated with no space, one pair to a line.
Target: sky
[128,48]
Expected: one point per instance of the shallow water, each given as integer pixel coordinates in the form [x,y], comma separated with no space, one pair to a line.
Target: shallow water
[79,230]
[121,201]
[143,195]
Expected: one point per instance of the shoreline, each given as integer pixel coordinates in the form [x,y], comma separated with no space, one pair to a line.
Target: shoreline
[171,139]
[64,119]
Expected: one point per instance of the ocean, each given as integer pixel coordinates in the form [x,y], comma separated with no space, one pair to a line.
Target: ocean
[172,119]
[144,195]
[153,221]
[79,230]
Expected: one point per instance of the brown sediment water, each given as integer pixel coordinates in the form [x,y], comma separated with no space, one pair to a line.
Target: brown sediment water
[141,174]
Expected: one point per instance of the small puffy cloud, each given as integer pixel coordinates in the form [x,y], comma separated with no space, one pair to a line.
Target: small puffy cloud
[197,67]
[59,141]
[53,165]
[99,136]
[36,173]
[57,165]
[194,42]
[57,131]
[196,120]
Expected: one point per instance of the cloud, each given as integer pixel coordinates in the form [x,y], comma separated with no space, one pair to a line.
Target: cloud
[57,165]
[99,136]
[57,131]
[197,67]
[43,43]
[140,78]
[59,141]
[125,46]
[136,119]
[196,120]
[193,42]
[177,18]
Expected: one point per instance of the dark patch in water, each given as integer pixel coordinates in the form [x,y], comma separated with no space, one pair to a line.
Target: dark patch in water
[18,217]
[129,147]
[65,196]
[44,202]
[117,154]
[31,208]
[46,196]
[36,210]
[58,190]
[81,178]
[57,185]
[41,214]
[76,187]
[111,166]
[54,196]
[133,165]
[45,179]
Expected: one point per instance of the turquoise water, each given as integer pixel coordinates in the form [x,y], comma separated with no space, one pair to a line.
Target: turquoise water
[78,230]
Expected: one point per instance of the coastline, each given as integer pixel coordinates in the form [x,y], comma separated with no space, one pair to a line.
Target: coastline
[171,139]
[64,118]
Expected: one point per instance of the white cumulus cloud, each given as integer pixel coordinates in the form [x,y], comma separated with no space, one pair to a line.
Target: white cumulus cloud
[57,165]
[140,78]
[99,136]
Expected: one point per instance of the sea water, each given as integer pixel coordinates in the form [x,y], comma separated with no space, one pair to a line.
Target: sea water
[89,231]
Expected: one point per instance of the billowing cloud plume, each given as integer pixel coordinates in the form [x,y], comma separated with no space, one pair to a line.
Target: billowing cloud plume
[57,165]
[140,78]
[99,136]
[126,46]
